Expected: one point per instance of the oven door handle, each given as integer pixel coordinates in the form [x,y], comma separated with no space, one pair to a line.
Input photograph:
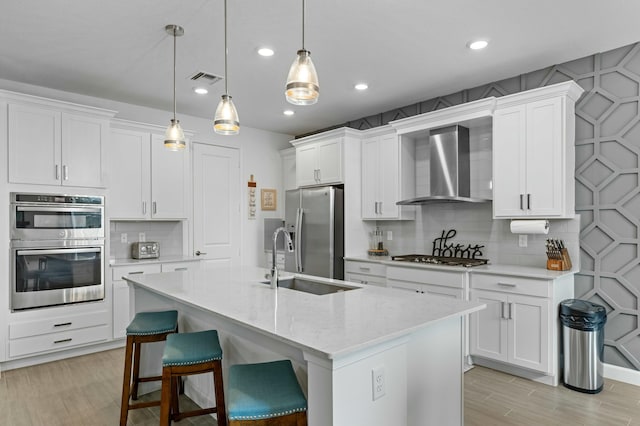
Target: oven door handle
[59,209]
[59,251]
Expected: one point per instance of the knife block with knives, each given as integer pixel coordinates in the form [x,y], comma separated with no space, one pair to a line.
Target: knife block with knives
[557,255]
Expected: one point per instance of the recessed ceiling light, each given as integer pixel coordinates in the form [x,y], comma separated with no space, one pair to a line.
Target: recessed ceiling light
[200,90]
[361,86]
[478,44]
[288,112]
[265,51]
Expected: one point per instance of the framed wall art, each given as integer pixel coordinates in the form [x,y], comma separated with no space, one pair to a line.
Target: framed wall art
[268,199]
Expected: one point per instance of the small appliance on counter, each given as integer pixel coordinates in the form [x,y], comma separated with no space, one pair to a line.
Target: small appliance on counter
[145,250]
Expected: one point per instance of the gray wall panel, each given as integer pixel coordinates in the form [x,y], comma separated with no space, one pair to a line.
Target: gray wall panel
[607,180]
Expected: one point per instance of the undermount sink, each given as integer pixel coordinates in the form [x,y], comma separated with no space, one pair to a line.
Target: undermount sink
[309,286]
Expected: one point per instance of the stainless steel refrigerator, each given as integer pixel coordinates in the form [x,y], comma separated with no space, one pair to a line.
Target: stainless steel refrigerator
[314,218]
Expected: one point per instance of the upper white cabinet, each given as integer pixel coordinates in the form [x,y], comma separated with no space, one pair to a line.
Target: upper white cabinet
[55,143]
[146,180]
[388,176]
[319,159]
[534,153]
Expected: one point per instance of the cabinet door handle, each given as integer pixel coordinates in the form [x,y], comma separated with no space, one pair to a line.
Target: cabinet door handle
[506,284]
[510,307]
[528,201]
[136,273]
[155,207]
[65,172]
[181,269]
[380,207]
[364,268]
[144,207]
[375,207]
[502,310]
[62,341]
[62,324]
[57,172]
[521,202]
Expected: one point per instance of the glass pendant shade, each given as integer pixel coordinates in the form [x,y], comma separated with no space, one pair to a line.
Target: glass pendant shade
[226,120]
[174,136]
[302,83]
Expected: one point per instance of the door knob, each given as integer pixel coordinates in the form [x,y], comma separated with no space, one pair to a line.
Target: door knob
[198,253]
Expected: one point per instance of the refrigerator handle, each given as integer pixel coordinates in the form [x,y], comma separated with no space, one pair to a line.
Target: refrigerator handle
[299,240]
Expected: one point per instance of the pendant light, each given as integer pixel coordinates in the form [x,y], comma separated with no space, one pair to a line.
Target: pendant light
[174,136]
[302,83]
[226,120]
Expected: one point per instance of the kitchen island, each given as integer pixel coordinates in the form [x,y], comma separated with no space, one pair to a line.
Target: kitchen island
[366,356]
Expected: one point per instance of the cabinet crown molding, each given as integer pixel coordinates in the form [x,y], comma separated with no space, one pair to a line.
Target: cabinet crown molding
[444,117]
[341,132]
[570,89]
[63,106]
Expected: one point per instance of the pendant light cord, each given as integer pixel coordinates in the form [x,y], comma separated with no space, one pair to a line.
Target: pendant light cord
[174,73]
[226,52]
[303,24]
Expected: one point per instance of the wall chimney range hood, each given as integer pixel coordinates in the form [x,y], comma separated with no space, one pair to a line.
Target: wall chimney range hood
[448,168]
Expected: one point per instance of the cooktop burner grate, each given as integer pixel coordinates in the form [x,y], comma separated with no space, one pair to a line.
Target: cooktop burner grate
[440,260]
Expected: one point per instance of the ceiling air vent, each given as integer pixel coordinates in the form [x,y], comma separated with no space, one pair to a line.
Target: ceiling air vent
[206,78]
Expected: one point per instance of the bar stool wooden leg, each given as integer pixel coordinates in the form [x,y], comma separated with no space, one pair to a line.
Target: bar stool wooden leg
[126,382]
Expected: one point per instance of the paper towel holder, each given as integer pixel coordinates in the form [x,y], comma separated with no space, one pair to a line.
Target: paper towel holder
[529,226]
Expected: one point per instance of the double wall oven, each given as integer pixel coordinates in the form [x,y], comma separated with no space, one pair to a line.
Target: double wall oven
[57,249]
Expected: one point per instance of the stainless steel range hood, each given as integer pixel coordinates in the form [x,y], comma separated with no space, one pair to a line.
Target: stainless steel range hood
[448,168]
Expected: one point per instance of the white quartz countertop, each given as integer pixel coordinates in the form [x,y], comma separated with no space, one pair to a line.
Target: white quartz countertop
[333,325]
[161,259]
[502,269]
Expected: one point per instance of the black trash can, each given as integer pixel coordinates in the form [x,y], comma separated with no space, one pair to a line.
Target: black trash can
[583,344]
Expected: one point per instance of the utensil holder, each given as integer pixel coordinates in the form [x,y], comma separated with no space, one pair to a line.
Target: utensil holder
[562,264]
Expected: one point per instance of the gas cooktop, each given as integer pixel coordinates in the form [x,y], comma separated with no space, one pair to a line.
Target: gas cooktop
[440,260]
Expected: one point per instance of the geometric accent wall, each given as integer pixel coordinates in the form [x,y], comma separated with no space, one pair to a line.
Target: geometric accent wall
[607,180]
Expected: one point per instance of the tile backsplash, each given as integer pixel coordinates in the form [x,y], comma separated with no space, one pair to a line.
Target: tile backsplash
[474,225]
[168,233]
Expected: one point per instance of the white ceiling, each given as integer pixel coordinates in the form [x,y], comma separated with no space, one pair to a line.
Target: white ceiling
[406,50]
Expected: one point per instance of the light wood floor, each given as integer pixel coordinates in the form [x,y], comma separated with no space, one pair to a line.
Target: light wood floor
[86,390]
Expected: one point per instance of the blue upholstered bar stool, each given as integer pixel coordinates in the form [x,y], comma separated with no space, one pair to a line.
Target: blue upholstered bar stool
[146,327]
[186,354]
[265,394]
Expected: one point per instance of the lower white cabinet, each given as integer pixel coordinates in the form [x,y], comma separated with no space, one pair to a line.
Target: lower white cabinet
[122,306]
[365,273]
[520,327]
[428,281]
[58,330]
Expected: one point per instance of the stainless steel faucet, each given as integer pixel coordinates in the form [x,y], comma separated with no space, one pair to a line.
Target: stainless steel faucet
[289,247]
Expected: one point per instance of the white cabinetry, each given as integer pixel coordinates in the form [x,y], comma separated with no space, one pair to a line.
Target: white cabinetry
[534,153]
[388,175]
[369,273]
[428,281]
[122,305]
[59,329]
[319,160]
[288,157]
[54,143]
[146,180]
[519,327]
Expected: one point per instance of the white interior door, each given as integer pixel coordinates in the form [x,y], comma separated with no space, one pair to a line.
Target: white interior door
[216,204]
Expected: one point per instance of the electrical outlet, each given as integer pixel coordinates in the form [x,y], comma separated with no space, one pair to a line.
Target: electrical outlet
[142,237]
[389,235]
[123,238]
[522,240]
[378,382]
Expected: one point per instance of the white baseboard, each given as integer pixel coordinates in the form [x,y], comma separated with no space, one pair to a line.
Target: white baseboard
[622,374]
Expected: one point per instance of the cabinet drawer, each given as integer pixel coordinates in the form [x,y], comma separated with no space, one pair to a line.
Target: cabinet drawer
[120,271]
[180,266]
[431,276]
[367,279]
[57,341]
[57,324]
[367,268]
[511,284]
